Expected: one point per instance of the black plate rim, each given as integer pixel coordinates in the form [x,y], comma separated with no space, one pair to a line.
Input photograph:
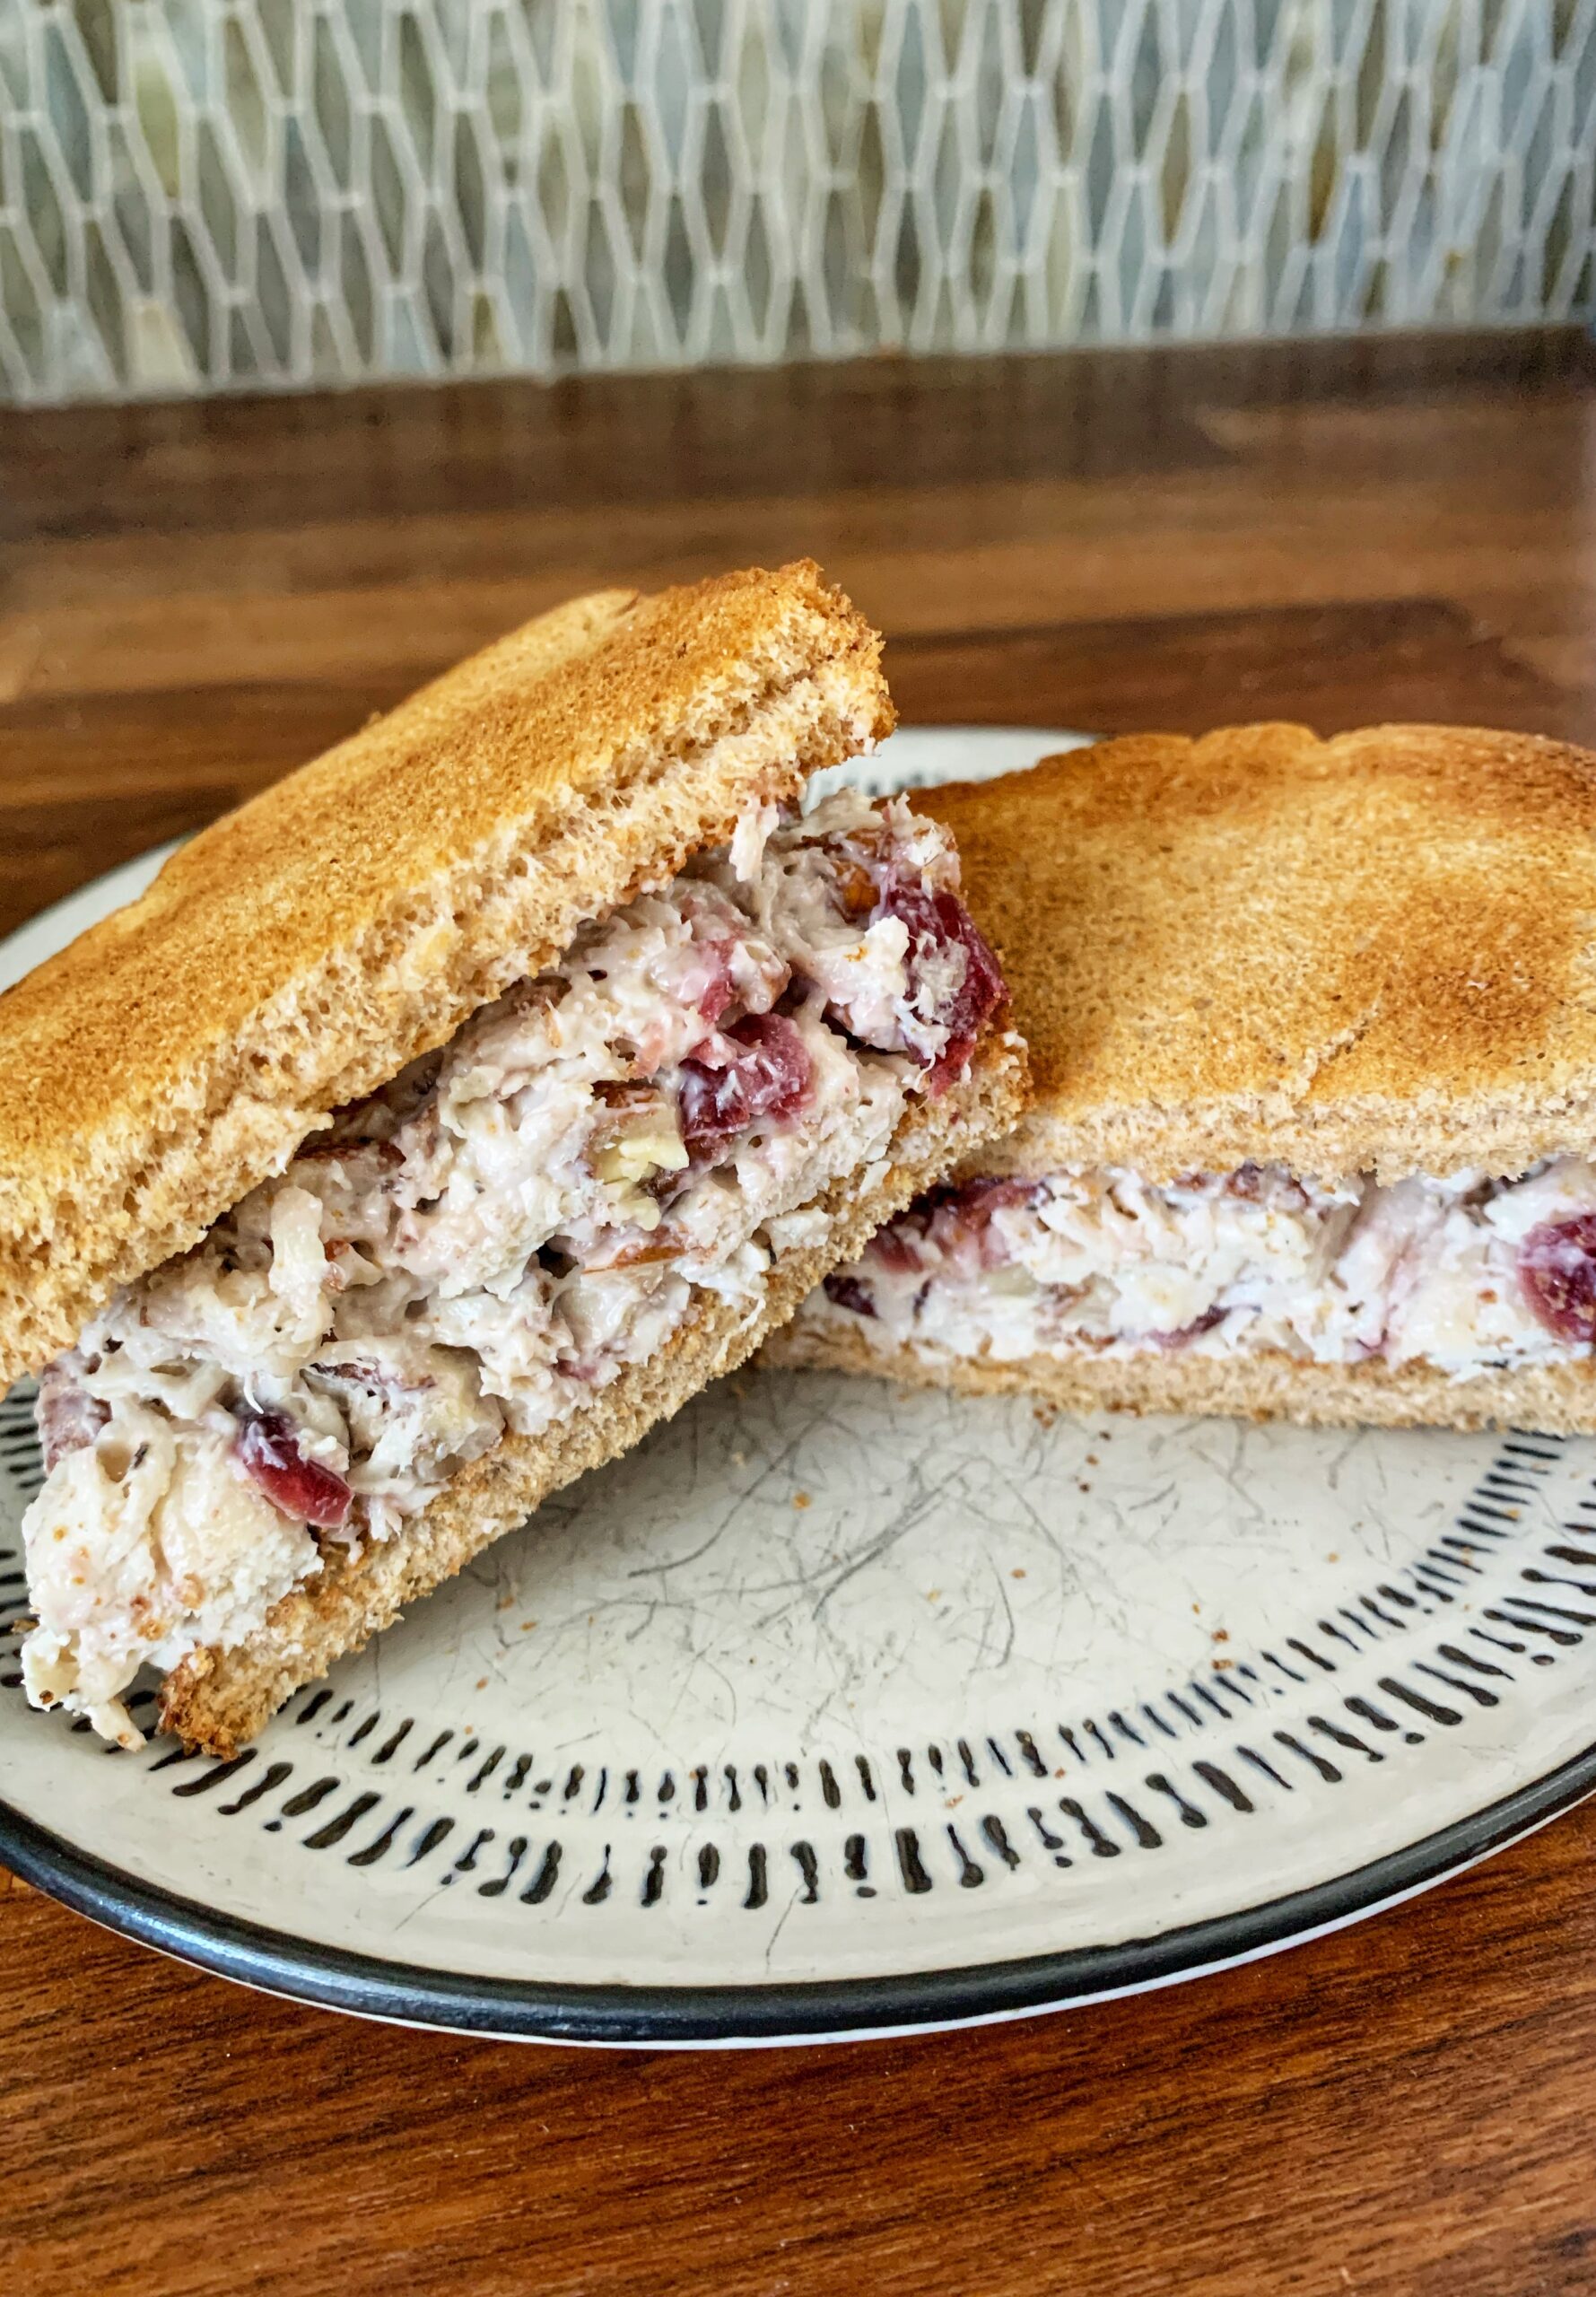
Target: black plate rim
[654,2017]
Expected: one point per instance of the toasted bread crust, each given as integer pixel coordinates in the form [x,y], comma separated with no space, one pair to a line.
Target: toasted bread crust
[218,1700]
[303,949]
[1374,953]
[1559,1399]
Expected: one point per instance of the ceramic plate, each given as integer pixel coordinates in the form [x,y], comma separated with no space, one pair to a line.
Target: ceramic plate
[835,1710]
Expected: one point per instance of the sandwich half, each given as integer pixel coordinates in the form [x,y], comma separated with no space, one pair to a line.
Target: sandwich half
[1312,1028]
[452,1113]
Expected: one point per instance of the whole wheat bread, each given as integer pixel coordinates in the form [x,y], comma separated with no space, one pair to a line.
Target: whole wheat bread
[1376,953]
[301,950]
[1560,1398]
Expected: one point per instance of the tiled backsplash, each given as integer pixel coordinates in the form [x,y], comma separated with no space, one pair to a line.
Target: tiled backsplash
[200,195]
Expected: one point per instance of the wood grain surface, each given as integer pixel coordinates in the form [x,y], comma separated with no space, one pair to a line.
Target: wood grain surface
[196,598]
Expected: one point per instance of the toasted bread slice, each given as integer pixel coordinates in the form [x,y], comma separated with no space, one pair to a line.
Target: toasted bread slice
[1558,1398]
[1372,954]
[304,950]
[218,1699]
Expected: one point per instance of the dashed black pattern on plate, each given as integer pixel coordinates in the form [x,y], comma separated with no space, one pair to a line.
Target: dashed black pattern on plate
[1034,1794]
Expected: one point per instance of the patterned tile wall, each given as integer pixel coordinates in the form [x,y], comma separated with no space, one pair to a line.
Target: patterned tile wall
[200,195]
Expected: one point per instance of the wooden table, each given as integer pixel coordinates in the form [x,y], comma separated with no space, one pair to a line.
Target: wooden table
[198,598]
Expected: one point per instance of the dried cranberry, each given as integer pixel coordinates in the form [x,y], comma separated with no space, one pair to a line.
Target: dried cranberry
[1557,1270]
[720,981]
[760,1067]
[727,970]
[978,997]
[936,922]
[965,1212]
[849,1293]
[1248,1181]
[897,1246]
[1187,1333]
[949,1215]
[268,1449]
[976,1200]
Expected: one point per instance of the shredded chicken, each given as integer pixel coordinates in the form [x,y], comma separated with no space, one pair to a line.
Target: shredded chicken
[1465,1273]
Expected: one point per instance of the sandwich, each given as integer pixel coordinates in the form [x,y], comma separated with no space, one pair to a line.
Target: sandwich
[450,1113]
[1312,1030]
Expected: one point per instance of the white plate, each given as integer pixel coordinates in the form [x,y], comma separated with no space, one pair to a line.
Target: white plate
[834,1710]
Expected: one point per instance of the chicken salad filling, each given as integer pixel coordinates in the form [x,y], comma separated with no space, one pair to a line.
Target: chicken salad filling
[1466,1274]
[483,1244]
